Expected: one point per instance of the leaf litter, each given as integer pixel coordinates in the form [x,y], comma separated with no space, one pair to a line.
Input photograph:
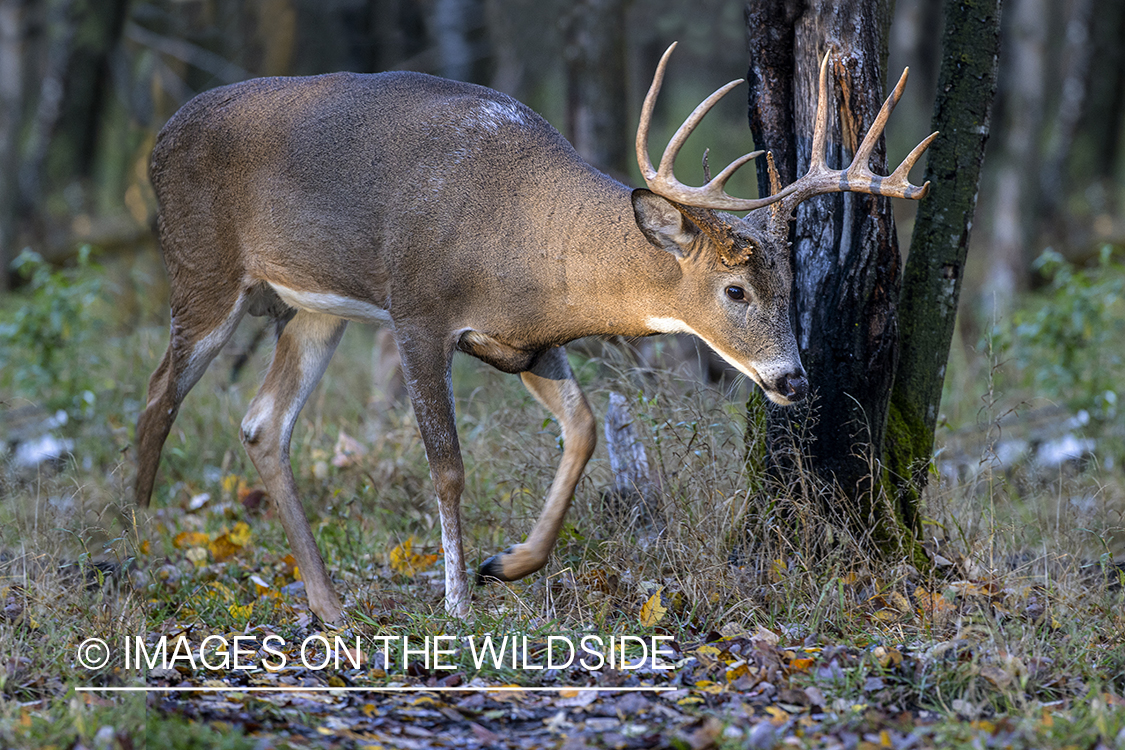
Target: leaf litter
[874,682]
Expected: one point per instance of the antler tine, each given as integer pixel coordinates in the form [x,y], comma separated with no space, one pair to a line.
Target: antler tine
[643,161]
[672,150]
[858,177]
[863,153]
[817,158]
[903,169]
[663,181]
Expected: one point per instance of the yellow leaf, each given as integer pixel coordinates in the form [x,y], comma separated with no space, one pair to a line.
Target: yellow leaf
[145,547]
[708,686]
[739,671]
[400,557]
[933,605]
[241,612]
[778,571]
[689,700]
[222,548]
[404,560]
[777,715]
[652,611]
[900,603]
[221,591]
[569,693]
[240,534]
[887,657]
[801,665]
[189,539]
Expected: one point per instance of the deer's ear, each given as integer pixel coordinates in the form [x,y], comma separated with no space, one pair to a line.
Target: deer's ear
[662,223]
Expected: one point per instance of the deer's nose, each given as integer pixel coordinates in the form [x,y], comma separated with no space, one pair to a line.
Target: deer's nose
[794,386]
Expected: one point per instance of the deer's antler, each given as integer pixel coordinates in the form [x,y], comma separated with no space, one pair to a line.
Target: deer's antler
[858,177]
[663,182]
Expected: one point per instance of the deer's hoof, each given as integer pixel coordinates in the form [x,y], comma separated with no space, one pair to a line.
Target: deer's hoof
[492,569]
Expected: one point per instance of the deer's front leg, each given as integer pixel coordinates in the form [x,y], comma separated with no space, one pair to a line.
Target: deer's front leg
[553,385]
[425,365]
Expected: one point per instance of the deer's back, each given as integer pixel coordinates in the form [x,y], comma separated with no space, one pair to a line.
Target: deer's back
[298,175]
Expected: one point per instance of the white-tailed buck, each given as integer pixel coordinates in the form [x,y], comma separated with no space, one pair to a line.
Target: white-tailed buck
[459,217]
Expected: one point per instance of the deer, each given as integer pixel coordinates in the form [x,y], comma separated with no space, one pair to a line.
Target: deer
[462,220]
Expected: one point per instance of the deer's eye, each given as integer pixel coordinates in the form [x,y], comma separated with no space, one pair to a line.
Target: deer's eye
[736,293]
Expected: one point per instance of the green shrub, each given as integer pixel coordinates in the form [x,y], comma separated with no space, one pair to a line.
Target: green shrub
[49,335]
[1068,343]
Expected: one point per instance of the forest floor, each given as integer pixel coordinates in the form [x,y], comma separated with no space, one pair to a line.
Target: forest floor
[749,618]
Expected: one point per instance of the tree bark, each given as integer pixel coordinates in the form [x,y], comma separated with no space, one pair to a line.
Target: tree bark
[846,258]
[934,272]
[13,53]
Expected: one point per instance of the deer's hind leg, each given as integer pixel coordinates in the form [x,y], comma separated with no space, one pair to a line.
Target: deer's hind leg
[203,320]
[304,346]
[552,383]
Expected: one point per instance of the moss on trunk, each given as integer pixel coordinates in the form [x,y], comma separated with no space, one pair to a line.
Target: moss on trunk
[932,282]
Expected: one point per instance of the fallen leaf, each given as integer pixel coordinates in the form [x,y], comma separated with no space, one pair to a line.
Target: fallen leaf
[652,611]
[241,612]
[240,534]
[404,560]
[801,665]
[190,539]
[222,548]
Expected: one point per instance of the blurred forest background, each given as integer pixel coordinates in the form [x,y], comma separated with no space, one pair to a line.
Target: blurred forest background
[86,84]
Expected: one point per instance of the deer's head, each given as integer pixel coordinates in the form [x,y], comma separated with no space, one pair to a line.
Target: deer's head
[737,281]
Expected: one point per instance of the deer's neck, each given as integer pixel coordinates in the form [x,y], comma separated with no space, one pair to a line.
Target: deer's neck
[609,279]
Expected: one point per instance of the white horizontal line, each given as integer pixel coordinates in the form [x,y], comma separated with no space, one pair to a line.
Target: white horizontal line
[296,689]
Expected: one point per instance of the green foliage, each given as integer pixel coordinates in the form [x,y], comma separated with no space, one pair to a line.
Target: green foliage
[1068,344]
[49,344]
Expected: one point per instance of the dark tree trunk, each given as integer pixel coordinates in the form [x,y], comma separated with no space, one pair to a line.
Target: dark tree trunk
[96,26]
[13,32]
[597,122]
[932,283]
[846,257]
[1104,117]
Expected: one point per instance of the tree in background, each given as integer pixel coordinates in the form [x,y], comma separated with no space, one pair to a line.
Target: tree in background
[846,257]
